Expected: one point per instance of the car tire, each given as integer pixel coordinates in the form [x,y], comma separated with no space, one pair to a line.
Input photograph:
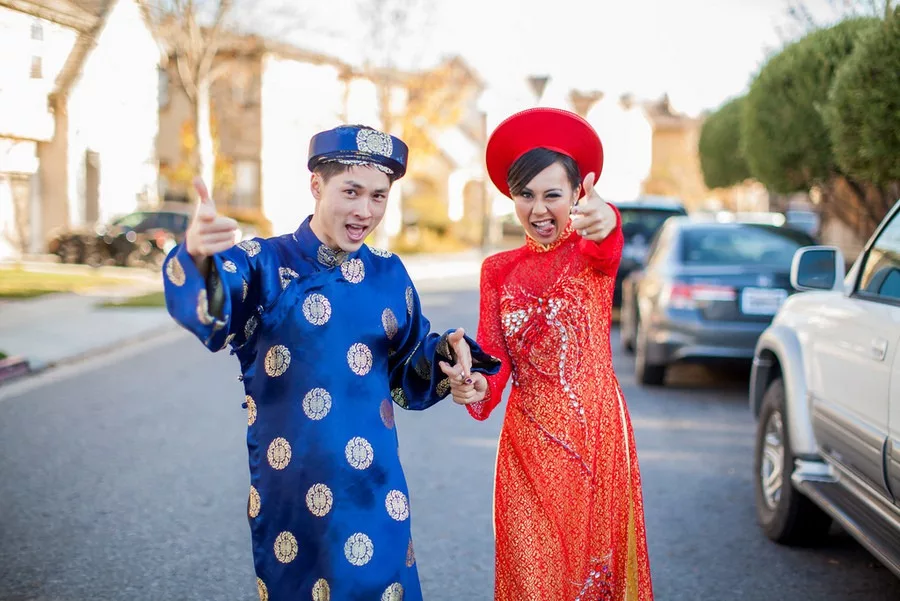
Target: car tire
[647,374]
[785,515]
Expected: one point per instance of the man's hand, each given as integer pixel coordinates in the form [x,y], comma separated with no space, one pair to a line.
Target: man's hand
[593,218]
[209,233]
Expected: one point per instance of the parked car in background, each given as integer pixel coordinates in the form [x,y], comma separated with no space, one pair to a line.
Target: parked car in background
[641,219]
[708,291]
[805,221]
[139,239]
[825,389]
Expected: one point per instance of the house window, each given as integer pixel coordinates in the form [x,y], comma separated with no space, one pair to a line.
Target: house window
[246,184]
[37,30]
[36,68]
[163,91]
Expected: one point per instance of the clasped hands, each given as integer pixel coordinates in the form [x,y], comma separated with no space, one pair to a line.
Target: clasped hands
[465,386]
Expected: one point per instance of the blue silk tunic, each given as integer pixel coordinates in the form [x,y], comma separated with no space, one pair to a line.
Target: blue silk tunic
[328,343]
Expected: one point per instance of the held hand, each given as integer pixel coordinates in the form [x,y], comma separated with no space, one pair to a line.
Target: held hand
[466,391]
[593,218]
[209,233]
[461,349]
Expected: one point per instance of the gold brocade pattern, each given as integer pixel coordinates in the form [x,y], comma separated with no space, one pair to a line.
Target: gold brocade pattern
[321,590]
[393,593]
[175,272]
[262,590]
[568,508]
[254,503]
[286,547]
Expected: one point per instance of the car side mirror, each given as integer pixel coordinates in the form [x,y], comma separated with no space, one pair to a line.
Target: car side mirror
[817,268]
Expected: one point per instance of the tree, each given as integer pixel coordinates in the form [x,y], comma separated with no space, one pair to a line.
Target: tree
[721,159]
[783,135]
[863,113]
[192,34]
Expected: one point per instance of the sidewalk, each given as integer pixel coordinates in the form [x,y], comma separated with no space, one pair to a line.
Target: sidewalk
[59,328]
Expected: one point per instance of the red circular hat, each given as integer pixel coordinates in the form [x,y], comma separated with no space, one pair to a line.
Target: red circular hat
[554,129]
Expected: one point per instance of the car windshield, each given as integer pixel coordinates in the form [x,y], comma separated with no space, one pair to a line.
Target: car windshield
[131,220]
[644,222]
[741,245]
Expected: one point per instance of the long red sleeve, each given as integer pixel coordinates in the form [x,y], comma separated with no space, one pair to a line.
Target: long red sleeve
[605,256]
[490,337]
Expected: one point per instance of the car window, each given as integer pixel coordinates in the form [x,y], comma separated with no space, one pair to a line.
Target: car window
[644,223]
[881,269]
[131,220]
[748,244]
[661,241]
[150,221]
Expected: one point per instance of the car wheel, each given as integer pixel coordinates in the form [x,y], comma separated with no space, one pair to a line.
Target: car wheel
[784,513]
[647,374]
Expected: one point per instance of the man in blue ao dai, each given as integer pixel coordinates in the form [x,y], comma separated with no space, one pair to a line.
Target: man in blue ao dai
[330,336]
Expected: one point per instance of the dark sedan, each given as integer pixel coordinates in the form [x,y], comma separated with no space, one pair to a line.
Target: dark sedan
[706,294]
[641,219]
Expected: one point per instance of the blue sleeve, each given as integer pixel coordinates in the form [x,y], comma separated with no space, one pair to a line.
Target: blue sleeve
[417,381]
[221,308]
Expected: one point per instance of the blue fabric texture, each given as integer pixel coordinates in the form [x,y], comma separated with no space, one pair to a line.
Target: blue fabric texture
[329,344]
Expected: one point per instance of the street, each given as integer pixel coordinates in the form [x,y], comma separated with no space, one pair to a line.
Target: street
[125,479]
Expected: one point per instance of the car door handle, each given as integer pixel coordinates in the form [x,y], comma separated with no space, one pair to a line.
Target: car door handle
[879,348]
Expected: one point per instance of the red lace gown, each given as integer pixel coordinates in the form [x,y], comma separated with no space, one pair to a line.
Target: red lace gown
[568,509]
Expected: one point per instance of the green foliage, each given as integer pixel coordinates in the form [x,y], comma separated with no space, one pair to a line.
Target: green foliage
[783,134]
[863,115]
[721,158]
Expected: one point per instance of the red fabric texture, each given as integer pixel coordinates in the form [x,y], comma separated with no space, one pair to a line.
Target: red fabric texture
[568,513]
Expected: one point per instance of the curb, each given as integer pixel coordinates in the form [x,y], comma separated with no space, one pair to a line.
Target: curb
[33,368]
[12,368]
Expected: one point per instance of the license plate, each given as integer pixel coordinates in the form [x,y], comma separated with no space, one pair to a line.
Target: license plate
[762,301]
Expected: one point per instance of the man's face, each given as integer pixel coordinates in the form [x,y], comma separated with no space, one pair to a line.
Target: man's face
[349,206]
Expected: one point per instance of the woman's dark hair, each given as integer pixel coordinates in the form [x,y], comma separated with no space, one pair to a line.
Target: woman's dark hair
[533,162]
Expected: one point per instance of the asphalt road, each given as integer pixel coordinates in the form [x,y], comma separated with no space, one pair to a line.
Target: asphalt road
[125,479]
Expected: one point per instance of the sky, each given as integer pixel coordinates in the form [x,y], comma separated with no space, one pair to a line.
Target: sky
[700,52]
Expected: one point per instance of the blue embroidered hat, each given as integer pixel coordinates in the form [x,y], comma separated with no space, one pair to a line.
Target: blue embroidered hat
[355,145]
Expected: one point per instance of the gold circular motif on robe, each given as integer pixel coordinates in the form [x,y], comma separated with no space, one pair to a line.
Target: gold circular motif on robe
[359,453]
[229,266]
[254,503]
[286,274]
[245,289]
[317,309]
[228,340]
[279,453]
[319,500]
[393,593]
[410,555]
[262,590]
[251,247]
[251,410]
[175,272]
[317,403]
[359,357]
[359,549]
[321,590]
[399,397]
[397,505]
[389,321]
[286,547]
[387,414]
[203,308]
[250,326]
[380,252]
[410,300]
[443,387]
[353,271]
[278,359]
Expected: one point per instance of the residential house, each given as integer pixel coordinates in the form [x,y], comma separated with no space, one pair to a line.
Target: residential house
[78,116]
[272,98]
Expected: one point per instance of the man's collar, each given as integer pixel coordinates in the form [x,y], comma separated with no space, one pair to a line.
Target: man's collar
[311,246]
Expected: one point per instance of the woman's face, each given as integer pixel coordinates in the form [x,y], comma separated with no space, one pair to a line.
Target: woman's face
[543,205]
